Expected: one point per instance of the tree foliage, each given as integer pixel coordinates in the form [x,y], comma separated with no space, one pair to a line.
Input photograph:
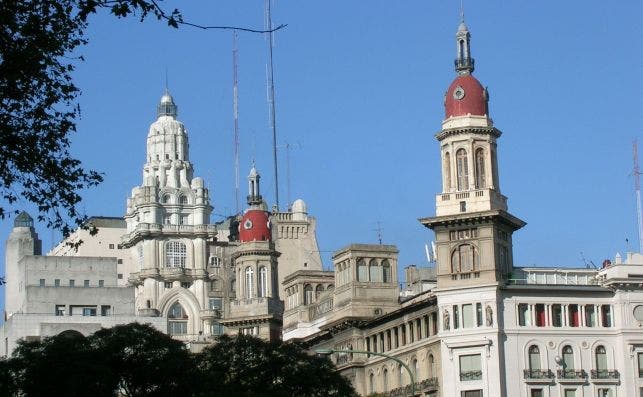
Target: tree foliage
[138,360]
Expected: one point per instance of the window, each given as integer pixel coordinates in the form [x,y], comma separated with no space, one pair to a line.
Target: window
[60,311]
[319,289]
[185,220]
[557,315]
[568,358]
[574,320]
[105,310]
[446,172]
[479,314]
[308,294]
[183,200]
[464,259]
[374,271]
[534,358]
[523,314]
[119,276]
[536,393]
[371,382]
[570,393]
[470,367]
[89,311]
[606,311]
[480,171]
[386,271]
[605,393]
[467,316]
[57,282]
[400,375]
[72,283]
[42,282]
[175,254]
[456,317]
[590,316]
[471,393]
[601,361]
[85,283]
[167,284]
[214,303]
[414,368]
[216,329]
[177,323]
[263,281]
[167,219]
[101,283]
[462,168]
[111,246]
[540,315]
[385,380]
[119,261]
[186,284]
[640,357]
[463,206]
[362,271]
[431,366]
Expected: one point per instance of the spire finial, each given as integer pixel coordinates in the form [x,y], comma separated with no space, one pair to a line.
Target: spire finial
[464,63]
[461,11]
[166,86]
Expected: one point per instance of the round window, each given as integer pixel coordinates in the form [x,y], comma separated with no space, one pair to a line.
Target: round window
[638,312]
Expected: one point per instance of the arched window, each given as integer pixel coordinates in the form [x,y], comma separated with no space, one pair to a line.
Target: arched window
[431,366]
[183,199]
[462,168]
[330,287]
[249,283]
[400,376]
[308,294]
[165,199]
[480,170]
[318,291]
[414,368]
[175,254]
[177,320]
[386,271]
[461,49]
[362,270]
[534,358]
[464,259]
[446,170]
[385,380]
[374,271]
[601,360]
[233,286]
[263,281]
[371,382]
[568,358]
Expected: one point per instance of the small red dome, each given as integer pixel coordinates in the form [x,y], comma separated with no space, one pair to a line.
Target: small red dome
[254,226]
[466,96]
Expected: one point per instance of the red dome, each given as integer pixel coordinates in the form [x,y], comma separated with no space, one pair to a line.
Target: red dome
[466,96]
[254,226]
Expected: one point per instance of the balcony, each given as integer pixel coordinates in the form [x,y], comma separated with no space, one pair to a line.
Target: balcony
[538,375]
[571,375]
[470,375]
[605,376]
[427,385]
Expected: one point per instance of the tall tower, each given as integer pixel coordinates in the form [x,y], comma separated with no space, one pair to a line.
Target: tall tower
[168,229]
[257,309]
[473,232]
[22,241]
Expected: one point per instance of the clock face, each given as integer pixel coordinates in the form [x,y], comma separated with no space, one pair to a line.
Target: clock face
[458,93]
[247,224]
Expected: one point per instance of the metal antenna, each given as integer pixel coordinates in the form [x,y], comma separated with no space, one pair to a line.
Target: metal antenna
[271,100]
[288,146]
[379,232]
[235,110]
[461,11]
[637,187]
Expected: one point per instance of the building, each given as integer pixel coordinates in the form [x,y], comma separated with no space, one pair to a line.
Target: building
[475,325]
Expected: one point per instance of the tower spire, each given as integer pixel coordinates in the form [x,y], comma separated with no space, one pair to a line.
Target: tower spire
[464,63]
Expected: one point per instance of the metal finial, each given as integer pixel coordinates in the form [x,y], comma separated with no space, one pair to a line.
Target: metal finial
[461,11]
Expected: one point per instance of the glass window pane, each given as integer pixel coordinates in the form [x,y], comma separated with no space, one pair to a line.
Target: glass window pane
[467,316]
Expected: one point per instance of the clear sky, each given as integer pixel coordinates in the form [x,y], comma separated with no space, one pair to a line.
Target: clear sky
[360,87]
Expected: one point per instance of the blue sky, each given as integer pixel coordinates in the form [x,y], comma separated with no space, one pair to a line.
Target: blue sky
[360,87]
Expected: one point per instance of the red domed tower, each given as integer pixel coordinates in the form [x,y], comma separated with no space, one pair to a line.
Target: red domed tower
[255,223]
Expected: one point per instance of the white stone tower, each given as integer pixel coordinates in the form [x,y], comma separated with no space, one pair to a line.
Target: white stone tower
[168,228]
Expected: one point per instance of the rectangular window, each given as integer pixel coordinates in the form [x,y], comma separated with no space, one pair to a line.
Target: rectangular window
[471,393]
[606,311]
[403,335]
[111,246]
[434,320]
[214,303]
[368,344]
[42,282]
[89,311]
[536,393]
[456,317]
[570,393]
[216,329]
[605,393]
[557,315]
[463,206]
[72,283]
[186,284]
[395,336]
[57,282]
[574,319]
[60,310]
[411,333]
[590,316]
[540,315]
[101,283]
[640,357]
[470,367]
[119,261]
[479,314]
[523,314]
[418,328]
[467,316]
[167,284]
[380,337]
[105,310]
[85,283]
[120,276]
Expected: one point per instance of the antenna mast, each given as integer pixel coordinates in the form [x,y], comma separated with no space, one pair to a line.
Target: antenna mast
[271,99]
[235,110]
[637,187]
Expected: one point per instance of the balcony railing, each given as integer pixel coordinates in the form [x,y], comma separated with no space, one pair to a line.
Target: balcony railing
[470,375]
[538,374]
[571,374]
[604,374]
[426,384]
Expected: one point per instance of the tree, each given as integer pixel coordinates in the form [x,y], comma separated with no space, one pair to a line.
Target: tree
[39,40]
[248,366]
